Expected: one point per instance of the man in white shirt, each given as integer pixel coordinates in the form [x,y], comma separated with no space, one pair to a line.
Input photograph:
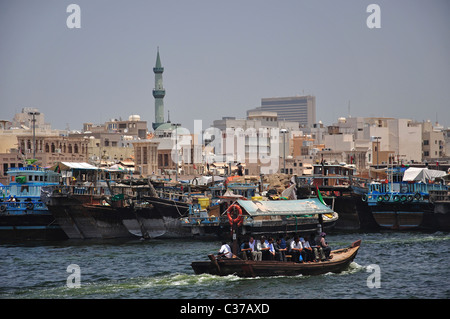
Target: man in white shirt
[296,249]
[225,251]
[256,254]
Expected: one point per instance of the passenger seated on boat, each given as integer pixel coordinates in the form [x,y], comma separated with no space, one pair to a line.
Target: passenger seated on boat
[246,252]
[280,253]
[263,247]
[324,245]
[270,246]
[225,251]
[317,250]
[256,255]
[307,253]
[296,249]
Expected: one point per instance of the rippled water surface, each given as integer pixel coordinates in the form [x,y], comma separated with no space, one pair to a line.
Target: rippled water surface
[412,265]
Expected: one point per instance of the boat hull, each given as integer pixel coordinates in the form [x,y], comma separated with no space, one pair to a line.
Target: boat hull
[403,217]
[29,225]
[249,268]
[80,219]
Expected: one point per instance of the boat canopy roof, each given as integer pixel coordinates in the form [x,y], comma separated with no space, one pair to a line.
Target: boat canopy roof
[73,165]
[285,207]
[422,174]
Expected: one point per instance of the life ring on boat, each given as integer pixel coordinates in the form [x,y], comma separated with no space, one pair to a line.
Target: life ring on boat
[417,196]
[2,208]
[380,198]
[29,206]
[238,220]
[387,198]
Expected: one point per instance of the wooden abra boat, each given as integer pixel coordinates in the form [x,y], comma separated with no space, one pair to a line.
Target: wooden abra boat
[340,261]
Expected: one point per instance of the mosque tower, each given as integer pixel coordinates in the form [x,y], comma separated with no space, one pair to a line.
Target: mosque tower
[158,93]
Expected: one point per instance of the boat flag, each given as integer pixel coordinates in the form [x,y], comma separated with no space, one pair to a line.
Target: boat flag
[319,195]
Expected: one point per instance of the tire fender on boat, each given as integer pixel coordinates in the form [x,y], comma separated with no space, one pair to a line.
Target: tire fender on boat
[2,208]
[29,206]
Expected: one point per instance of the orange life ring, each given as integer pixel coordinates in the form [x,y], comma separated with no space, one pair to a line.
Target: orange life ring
[238,220]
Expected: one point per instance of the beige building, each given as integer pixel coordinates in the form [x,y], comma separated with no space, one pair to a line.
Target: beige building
[146,157]
[260,141]
[433,142]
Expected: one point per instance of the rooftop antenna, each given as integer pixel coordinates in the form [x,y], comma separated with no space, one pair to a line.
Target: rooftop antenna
[349,114]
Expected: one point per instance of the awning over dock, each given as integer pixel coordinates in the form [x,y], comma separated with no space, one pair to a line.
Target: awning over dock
[72,165]
[284,207]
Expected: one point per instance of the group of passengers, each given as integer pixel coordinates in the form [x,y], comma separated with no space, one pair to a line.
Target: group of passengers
[312,249]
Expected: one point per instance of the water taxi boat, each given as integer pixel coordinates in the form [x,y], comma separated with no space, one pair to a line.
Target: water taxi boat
[339,262]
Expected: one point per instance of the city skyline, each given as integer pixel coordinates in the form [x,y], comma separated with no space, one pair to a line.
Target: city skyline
[221,59]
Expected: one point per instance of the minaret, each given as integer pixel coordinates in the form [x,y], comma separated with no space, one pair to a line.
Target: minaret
[158,93]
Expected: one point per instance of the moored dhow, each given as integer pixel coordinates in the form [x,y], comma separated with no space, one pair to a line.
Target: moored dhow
[403,201]
[23,216]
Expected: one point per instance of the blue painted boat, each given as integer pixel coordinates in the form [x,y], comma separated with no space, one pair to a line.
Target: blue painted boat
[402,201]
[22,213]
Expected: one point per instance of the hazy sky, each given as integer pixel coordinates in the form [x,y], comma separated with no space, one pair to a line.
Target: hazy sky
[222,57]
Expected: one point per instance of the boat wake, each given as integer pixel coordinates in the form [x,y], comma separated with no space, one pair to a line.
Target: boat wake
[160,286]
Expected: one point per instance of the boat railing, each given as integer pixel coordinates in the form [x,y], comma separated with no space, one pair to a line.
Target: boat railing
[183,197]
[333,180]
[404,188]
[21,206]
[440,195]
[25,190]
[76,190]
[27,168]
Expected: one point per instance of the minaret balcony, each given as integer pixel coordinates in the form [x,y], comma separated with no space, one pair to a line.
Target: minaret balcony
[158,70]
[159,93]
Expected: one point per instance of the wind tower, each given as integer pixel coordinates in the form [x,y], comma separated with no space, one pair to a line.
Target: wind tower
[158,93]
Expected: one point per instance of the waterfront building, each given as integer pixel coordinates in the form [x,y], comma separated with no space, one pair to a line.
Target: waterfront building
[145,157]
[402,138]
[17,140]
[433,141]
[250,141]
[301,109]
[113,141]
[53,149]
